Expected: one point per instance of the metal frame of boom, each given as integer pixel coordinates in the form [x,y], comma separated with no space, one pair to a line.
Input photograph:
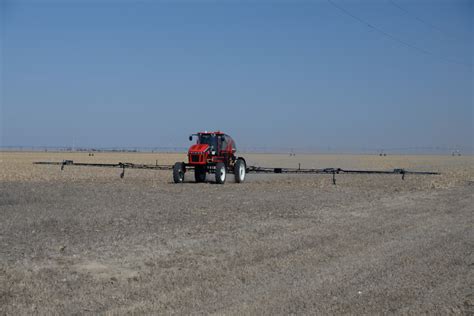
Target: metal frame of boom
[335,171]
[250,169]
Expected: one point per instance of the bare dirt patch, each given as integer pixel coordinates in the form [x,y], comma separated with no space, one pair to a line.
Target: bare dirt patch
[85,241]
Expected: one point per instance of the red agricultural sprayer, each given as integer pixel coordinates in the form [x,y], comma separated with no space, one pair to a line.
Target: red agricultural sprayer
[214,153]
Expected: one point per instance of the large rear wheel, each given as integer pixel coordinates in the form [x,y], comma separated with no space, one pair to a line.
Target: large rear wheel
[220,173]
[200,174]
[178,172]
[239,170]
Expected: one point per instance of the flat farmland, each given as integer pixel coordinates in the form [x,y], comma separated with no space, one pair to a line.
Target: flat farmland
[83,240]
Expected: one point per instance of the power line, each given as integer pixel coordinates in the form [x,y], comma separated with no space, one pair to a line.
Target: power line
[396,39]
[417,18]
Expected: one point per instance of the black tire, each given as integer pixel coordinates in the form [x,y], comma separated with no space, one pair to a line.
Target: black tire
[239,170]
[200,174]
[220,173]
[178,172]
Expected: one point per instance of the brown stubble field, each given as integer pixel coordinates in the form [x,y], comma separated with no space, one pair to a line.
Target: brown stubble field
[83,240]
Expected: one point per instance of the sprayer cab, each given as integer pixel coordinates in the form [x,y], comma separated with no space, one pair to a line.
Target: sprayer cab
[211,148]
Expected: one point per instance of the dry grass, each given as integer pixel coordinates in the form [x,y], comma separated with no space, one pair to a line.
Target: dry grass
[83,240]
[18,166]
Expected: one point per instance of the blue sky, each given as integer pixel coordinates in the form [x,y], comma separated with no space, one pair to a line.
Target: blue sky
[299,74]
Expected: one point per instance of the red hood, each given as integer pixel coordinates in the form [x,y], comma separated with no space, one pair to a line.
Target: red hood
[200,148]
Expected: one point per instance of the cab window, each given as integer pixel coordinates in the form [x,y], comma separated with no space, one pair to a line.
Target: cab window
[229,141]
[209,139]
[224,142]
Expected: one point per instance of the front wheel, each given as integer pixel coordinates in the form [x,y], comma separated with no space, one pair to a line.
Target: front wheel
[239,170]
[220,173]
[178,172]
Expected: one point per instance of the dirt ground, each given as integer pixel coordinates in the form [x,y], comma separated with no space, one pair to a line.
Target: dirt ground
[84,241]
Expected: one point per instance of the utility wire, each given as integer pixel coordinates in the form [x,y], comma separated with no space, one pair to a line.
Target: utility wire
[396,39]
[418,19]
